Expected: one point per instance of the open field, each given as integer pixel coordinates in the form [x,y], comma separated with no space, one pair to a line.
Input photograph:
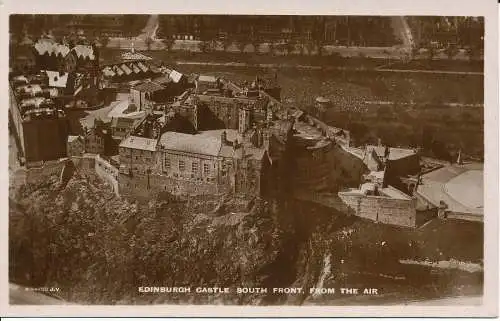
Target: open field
[398,124]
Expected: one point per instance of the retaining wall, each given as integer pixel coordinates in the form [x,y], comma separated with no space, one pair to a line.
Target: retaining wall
[382,209]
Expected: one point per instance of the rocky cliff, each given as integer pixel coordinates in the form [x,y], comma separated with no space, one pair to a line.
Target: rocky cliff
[100,249]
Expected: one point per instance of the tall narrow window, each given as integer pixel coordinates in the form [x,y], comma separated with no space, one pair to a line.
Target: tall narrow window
[206,169]
[194,167]
[182,165]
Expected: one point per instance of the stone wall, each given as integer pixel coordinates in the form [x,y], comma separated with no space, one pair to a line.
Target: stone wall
[346,170]
[147,186]
[107,172]
[381,209]
[36,175]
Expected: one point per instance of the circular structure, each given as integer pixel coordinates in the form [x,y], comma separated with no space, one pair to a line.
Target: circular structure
[311,157]
[460,187]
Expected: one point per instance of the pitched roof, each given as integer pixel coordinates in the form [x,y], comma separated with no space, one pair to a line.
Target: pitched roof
[83,51]
[46,46]
[57,79]
[129,55]
[162,80]
[126,69]
[204,78]
[197,144]
[142,143]
[142,66]
[135,68]
[175,76]
[148,86]
[123,122]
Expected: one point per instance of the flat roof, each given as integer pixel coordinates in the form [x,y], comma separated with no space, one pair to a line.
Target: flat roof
[141,143]
[394,153]
[459,186]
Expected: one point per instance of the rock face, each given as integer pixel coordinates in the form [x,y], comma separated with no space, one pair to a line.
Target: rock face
[81,234]
[100,249]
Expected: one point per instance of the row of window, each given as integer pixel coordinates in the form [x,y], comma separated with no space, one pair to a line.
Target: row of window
[182,166]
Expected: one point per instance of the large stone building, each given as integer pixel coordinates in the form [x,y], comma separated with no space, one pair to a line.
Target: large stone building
[210,162]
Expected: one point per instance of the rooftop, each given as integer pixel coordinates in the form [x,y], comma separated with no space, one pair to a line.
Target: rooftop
[394,153]
[57,79]
[175,76]
[459,186]
[130,55]
[205,78]
[142,143]
[148,86]
[198,144]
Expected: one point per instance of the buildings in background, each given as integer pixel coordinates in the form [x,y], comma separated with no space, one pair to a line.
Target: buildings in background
[38,119]
[341,30]
[95,25]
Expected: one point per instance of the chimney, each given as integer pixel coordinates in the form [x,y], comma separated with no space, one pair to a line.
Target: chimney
[223,138]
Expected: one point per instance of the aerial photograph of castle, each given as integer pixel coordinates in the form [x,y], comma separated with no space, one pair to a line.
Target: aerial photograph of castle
[245,159]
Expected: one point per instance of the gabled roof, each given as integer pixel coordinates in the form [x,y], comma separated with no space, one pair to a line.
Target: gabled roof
[175,76]
[126,69]
[135,68]
[57,79]
[83,51]
[46,46]
[142,66]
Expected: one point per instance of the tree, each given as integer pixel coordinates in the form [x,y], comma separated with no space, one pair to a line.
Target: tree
[414,51]
[104,40]
[255,45]
[241,45]
[451,51]
[226,43]
[168,42]
[471,53]
[320,45]
[310,47]
[431,52]
[203,46]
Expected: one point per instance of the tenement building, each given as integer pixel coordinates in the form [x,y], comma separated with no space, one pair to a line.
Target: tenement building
[40,123]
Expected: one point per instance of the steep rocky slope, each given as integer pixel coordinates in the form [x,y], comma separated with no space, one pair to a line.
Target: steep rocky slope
[98,248]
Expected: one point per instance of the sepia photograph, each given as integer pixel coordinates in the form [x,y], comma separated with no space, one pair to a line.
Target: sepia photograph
[264,160]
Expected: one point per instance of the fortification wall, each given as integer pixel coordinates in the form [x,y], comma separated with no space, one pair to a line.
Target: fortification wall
[107,172]
[346,170]
[381,209]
